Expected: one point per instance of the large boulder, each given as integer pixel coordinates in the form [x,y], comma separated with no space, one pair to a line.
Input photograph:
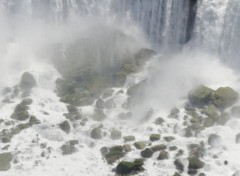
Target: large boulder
[200,96]
[147,153]
[5,161]
[21,112]
[224,97]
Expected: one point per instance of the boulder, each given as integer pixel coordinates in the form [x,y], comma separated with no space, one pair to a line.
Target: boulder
[69,147]
[126,167]
[147,153]
[169,138]
[163,155]
[159,147]
[214,140]
[116,134]
[222,120]
[179,164]
[224,97]
[27,81]
[195,163]
[155,137]
[140,145]
[200,96]
[96,133]
[65,126]
[129,138]
[127,148]
[5,161]
[208,122]
[159,121]
[114,153]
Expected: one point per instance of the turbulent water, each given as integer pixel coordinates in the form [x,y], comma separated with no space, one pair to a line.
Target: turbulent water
[196,43]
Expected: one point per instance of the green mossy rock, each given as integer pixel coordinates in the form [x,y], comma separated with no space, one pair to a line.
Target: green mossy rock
[140,145]
[200,96]
[224,97]
[125,167]
[5,161]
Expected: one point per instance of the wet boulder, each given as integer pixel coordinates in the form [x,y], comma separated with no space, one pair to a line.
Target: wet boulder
[200,96]
[114,153]
[214,140]
[140,145]
[126,167]
[21,112]
[129,138]
[5,161]
[179,164]
[163,155]
[195,163]
[115,134]
[96,133]
[158,147]
[69,147]
[146,153]
[155,137]
[224,97]
[65,126]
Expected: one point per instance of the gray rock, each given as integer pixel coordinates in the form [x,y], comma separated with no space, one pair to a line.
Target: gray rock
[179,165]
[125,167]
[140,145]
[65,126]
[96,133]
[147,153]
[129,138]
[169,138]
[127,148]
[214,140]
[114,154]
[159,121]
[100,103]
[159,147]
[155,137]
[163,155]
[69,147]
[5,161]
[116,134]
[33,120]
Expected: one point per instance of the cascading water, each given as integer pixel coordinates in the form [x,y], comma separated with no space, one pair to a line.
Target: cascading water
[77,78]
